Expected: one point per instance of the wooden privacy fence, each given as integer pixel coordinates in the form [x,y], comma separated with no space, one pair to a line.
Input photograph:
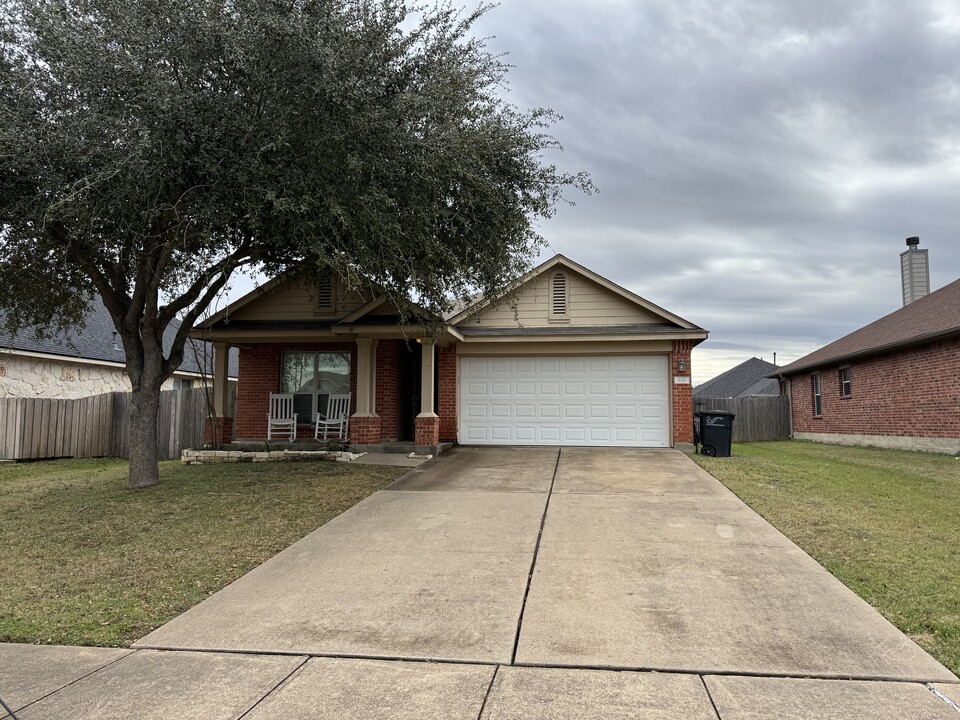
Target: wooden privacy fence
[97,426]
[758,419]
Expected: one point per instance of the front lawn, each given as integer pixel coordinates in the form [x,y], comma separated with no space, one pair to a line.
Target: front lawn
[886,523]
[86,562]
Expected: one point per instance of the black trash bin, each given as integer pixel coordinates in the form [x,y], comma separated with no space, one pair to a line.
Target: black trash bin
[716,432]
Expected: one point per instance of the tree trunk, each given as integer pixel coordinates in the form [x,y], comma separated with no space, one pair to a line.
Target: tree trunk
[144,407]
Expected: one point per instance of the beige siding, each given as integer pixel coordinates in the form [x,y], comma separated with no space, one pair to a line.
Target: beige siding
[590,304]
[295,301]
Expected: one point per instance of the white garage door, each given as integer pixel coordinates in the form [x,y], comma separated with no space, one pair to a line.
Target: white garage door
[618,400]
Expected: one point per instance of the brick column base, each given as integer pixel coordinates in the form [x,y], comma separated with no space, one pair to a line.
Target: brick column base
[364,430]
[428,432]
[218,431]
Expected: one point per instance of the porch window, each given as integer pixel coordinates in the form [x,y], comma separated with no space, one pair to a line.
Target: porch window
[312,377]
[817,397]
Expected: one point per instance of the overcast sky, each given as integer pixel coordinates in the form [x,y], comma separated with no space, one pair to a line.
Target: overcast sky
[759,163]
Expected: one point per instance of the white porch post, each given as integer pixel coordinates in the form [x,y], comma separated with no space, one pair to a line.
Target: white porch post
[221,373]
[366,378]
[427,389]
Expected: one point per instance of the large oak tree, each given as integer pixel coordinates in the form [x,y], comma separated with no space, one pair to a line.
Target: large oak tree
[150,149]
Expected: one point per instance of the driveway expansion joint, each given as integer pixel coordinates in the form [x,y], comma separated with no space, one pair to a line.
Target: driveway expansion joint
[706,689]
[943,697]
[486,695]
[533,561]
[276,687]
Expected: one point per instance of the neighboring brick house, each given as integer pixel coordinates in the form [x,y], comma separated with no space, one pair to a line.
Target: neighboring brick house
[894,383]
[86,361]
[570,359]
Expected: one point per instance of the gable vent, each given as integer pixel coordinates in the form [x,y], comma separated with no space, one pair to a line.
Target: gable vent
[325,294]
[558,305]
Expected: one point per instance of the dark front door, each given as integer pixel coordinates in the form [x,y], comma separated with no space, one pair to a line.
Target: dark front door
[409,386]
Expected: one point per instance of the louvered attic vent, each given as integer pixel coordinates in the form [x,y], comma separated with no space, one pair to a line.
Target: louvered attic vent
[559,299]
[325,295]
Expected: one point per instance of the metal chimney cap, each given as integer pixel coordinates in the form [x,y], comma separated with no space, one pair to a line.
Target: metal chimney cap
[913,241]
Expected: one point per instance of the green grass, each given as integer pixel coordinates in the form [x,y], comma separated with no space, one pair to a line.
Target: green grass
[87,562]
[886,523]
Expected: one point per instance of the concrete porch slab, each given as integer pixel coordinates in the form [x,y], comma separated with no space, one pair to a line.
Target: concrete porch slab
[401,575]
[473,469]
[542,694]
[30,672]
[149,685]
[753,698]
[342,689]
[632,470]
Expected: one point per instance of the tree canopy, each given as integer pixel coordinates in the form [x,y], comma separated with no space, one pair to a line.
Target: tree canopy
[149,149]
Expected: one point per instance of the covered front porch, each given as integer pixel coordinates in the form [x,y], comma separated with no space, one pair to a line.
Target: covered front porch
[394,385]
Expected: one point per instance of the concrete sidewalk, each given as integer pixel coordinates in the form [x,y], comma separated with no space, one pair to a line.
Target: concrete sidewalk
[515,583]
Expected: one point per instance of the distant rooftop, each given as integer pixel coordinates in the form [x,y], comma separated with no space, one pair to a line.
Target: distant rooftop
[747,379]
[97,341]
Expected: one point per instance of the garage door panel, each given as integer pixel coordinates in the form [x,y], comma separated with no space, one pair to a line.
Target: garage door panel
[617,400]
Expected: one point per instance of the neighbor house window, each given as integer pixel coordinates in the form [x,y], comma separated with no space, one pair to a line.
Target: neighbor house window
[559,296]
[846,390]
[817,398]
[312,377]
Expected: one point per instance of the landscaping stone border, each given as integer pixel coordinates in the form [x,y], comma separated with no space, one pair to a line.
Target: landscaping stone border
[209,457]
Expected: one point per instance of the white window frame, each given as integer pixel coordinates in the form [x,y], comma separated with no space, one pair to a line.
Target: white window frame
[817,390]
[846,382]
[315,391]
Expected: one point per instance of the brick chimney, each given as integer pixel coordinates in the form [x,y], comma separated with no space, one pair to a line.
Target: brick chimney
[914,271]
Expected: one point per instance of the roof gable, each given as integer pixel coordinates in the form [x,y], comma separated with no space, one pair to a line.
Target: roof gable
[292,299]
[933,316]
[594,301]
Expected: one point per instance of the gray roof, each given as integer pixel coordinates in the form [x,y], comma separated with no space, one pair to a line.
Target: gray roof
[98,340]
[745,380]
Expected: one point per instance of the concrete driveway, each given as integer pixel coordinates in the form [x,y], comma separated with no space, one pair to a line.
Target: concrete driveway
[528,583]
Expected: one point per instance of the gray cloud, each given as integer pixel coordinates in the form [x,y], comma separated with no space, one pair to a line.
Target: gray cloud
[759,163]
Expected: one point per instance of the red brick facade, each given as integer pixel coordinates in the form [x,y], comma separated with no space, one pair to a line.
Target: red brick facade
[388,389]
[428,430]
[909,393]
[217,431]
[259,375]
[447,392]
[682,394]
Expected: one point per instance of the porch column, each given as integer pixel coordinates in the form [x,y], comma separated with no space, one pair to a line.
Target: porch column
[427,422]
[365,423]
[219,427]
[221,373]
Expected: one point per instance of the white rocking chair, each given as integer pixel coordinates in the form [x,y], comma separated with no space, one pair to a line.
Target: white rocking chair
[336,420]
[282,420]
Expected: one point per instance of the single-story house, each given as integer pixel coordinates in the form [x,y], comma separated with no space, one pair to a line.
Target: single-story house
[87,361]
[569,359]
[748,379]
[893,383]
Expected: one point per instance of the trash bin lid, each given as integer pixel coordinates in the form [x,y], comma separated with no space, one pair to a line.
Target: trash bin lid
[721,413]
